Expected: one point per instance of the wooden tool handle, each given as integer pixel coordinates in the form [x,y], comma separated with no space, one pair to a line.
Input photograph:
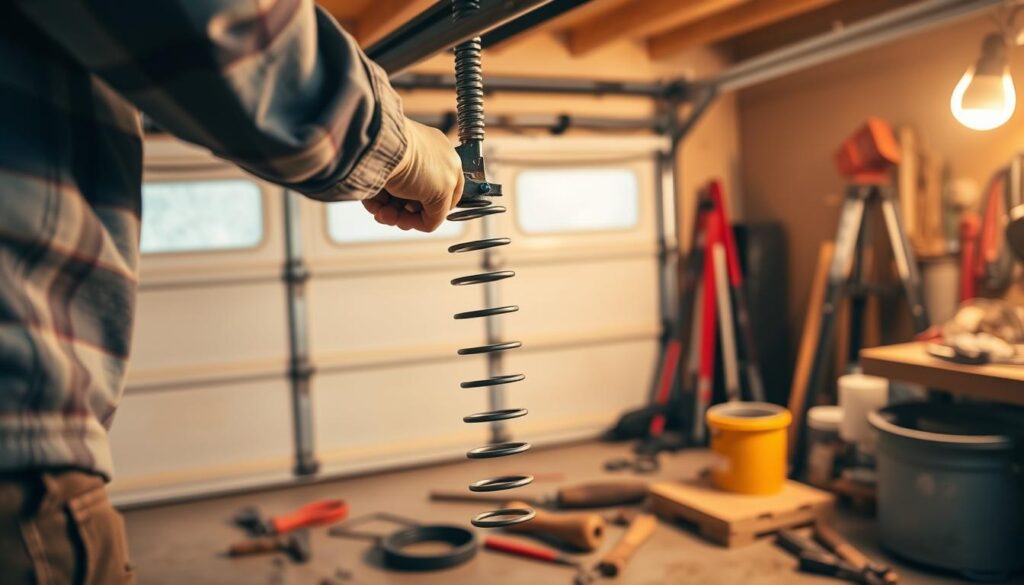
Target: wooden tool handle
[580,531]
[254,546]
[638,532]
[602,494]
[832,540]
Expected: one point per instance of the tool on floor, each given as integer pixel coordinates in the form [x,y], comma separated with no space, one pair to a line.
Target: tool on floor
[583,531]
[598,494]
[531,551]
[866,160]
[476,203]
[813,559]
[294,544]
[340,576]
[642,462]
[827,536]
[640,529]
[830,566]
[414,547]
[795,544]
[318,513]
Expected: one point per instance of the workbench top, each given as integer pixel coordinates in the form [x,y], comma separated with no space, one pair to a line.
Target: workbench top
[184,543]
[910,362]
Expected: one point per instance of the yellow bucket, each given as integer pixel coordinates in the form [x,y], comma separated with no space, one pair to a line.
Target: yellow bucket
[749,439]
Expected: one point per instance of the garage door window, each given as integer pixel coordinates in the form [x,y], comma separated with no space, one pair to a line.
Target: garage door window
[576,199]
[349,223]
[192,216]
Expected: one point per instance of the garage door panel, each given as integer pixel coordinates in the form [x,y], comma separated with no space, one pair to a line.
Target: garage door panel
[579,388]
[211,324]
[391,311]
[205,430]
[583,297]
[397,410]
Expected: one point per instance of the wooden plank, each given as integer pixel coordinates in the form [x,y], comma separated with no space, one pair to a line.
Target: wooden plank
[811,23]
[640,19]
[383,16]
[910,362]
[344,10]
[727,24]
[808,344]
[737,519]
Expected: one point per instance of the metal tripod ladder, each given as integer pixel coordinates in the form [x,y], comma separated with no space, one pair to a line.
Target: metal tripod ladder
[847,279]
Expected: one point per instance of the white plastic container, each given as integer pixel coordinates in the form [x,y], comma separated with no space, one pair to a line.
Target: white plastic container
[859,395]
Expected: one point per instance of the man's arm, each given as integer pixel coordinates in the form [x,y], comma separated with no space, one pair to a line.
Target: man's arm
[274,86]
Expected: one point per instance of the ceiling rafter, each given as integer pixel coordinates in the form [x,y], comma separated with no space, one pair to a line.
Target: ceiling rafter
[727,24]
[382,16]
[637,19]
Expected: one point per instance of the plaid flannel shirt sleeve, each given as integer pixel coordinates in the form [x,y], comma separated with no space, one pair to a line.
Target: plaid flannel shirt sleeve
[275,86]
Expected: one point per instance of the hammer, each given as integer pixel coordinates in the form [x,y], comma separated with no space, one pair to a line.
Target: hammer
[295,544]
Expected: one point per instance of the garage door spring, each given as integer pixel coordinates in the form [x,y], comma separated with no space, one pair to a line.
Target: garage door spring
[476,203]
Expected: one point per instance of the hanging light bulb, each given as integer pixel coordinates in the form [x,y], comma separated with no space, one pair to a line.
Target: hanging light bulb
[984,98]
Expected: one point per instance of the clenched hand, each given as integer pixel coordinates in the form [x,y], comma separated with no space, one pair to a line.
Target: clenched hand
[425,184]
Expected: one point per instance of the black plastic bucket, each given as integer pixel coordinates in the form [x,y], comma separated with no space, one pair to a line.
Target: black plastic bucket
[951,486]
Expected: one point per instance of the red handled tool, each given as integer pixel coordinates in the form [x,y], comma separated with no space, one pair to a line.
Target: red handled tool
[530,551]
[317,513]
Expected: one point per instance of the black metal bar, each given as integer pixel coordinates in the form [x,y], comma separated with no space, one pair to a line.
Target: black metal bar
[700,104]
[529,20]
[870,32]
[555,123]
[433,31]
[538,85]
[300,369]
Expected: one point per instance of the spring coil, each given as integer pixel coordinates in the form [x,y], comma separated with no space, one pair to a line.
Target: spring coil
[469,91]
[469,80]
[474,209]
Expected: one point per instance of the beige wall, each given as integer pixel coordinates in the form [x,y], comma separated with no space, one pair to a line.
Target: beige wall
[711,151]
[789,129]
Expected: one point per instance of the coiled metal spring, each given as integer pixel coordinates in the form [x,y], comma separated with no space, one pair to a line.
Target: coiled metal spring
[469,95]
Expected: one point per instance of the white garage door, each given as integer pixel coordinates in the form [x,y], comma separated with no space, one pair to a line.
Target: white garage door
[209,404]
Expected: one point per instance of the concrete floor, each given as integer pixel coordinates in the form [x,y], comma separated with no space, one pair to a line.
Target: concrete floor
[184,543]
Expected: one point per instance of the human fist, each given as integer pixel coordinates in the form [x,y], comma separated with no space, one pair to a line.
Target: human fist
[425,184]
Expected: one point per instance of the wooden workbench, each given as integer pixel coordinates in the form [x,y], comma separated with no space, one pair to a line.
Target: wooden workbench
[909,362]
[182,543]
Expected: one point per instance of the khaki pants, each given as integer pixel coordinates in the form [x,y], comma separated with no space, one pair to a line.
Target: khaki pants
[58,528]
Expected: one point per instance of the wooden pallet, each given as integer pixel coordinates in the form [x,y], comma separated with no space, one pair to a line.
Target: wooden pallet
[736,519]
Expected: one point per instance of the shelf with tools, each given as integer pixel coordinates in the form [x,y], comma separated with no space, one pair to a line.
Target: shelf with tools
[909,362]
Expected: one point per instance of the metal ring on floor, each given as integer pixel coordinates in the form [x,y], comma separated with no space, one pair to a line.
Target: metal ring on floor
[463,544]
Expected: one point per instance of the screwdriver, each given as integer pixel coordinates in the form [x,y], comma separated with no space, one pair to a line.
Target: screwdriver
[585,495]
[538,553]
[514,547]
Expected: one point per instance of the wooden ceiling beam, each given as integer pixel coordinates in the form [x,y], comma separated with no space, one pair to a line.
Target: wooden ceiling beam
[812,23]
[727,24]
[383,16]
[640,19]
